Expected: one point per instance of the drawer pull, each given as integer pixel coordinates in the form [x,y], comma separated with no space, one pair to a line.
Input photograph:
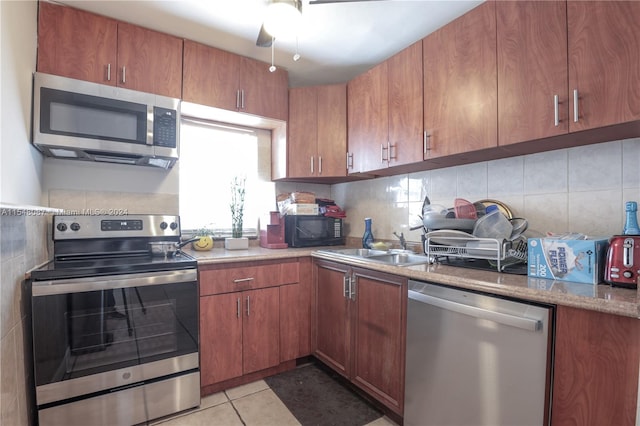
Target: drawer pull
[241,280]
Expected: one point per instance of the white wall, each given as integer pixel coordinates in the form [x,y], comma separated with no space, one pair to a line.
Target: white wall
[20,174]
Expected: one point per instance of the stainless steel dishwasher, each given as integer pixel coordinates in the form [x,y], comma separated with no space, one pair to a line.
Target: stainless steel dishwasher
[474,359]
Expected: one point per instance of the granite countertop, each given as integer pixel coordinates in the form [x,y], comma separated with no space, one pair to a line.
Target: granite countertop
[601,298]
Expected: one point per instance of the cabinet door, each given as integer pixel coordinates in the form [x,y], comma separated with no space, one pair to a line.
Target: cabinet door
[379,336]
[532,69]
[149,61]
[368,118]
[604,62]
[260,329]
[76,44]
[405,106]
[332,321]
[303,132]
[460,84]
[265,93]
[210,76]
[220,338]
[596,368]
[332,130]
[295,320]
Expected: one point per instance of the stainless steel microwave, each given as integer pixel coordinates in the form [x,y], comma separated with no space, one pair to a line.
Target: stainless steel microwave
[81,120]
[313,231]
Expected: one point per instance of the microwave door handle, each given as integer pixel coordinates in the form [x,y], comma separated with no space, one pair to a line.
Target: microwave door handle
[150,115]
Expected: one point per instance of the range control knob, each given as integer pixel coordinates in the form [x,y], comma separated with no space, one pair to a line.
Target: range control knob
[61,227]
[75,226]
[627,274]
[173,226]
[163,225]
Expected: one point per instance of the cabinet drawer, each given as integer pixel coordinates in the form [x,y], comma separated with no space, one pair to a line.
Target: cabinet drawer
[225,278]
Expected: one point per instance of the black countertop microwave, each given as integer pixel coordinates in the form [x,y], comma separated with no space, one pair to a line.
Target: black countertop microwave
[313,231]
[75,119]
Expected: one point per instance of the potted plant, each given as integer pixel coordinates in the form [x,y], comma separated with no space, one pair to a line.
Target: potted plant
[237,241]
[206,240]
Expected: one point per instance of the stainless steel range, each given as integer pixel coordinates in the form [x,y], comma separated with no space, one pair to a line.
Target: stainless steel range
[115,328]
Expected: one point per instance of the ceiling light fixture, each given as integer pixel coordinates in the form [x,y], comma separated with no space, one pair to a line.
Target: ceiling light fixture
[283,18]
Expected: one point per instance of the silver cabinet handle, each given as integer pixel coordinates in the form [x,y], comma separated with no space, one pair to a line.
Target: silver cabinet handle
[238,307]
[575,106]
[108,72]
[425,144]
[382,150]
[556,110]
[349,163]
[124,75]
[248,306]
[345,292]
[241,280]
[312,164]
[472,311]
[238,99]
[352,288]
[242,99]
[389,147]
[319,164]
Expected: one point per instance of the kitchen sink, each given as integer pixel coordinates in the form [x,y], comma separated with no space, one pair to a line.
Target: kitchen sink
[388,257]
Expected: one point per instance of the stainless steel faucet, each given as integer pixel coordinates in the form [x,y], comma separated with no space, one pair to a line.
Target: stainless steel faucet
[403,242]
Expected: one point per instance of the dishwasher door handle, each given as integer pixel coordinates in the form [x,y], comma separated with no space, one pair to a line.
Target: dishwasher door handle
[473,311]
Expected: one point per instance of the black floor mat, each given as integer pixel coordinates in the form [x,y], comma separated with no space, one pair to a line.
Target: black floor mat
[316,398]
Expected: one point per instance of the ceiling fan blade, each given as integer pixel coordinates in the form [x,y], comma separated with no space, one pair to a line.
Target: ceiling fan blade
[264,38]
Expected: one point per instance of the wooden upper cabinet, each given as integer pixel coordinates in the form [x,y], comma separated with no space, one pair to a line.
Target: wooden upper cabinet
[385,113]
[264,93]
[81,45]
[303,131]
[149,61]
[368,118]
[210,76]
[460,84]
[604,62]
[76,44]
[405,106]
[317,143]
[225,80]
[533,95]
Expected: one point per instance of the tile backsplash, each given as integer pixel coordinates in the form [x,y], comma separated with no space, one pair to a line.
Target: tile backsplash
[22,247]
[579,189]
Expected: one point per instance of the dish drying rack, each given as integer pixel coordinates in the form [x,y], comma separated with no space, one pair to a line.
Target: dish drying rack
[499,253]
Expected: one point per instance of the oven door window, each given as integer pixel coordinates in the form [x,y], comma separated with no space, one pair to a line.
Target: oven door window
[75,114]
[83,333]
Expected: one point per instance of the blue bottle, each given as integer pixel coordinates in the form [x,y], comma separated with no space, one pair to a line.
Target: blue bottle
[367,238]
[631,223]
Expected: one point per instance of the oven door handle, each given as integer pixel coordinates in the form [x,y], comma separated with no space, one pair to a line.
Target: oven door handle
[80,285]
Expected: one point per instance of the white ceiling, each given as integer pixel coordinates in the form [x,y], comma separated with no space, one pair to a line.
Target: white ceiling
[337,41]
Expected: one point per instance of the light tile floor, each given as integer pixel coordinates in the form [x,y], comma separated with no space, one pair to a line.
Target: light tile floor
[253,404]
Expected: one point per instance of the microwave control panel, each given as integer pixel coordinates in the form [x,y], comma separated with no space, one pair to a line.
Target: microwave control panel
[165,125]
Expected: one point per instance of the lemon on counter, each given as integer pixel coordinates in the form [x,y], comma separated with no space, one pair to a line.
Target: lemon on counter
[379,245]
[203,244]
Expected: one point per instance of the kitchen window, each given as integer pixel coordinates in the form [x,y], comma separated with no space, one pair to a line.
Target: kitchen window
[211,155]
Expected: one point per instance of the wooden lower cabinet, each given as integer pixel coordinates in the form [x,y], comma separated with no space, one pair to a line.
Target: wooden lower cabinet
[360,331]
[596,365]
[259,327]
